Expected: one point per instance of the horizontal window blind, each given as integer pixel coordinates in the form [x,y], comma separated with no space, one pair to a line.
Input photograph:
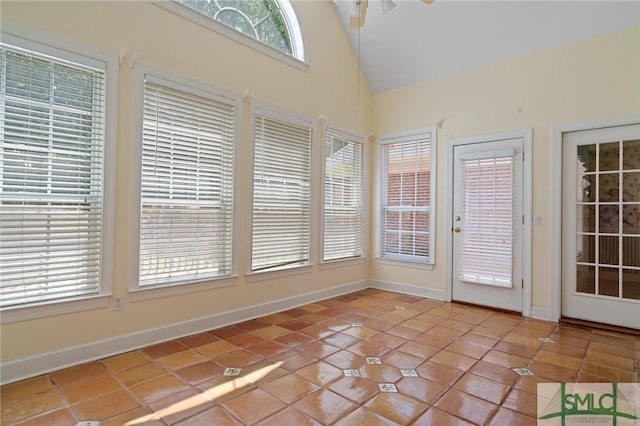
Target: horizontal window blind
[488,212]
[52,119]
[281,193]
[406,198]
[186,187]
[343,202]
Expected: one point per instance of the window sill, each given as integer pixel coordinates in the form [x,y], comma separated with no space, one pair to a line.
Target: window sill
[413,264]
[342,263]
[140,294]
[279,273]
[53,308]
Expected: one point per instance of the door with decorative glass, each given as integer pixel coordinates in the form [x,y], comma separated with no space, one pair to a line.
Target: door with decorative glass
[487,223]
[601,225]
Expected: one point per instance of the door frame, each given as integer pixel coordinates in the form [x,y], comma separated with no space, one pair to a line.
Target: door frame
[555,237]
[526,135]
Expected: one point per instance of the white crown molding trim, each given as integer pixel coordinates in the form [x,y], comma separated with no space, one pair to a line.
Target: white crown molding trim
[414,290]
[24,368]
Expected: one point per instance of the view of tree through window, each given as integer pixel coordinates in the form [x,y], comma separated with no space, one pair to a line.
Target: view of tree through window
[262,20]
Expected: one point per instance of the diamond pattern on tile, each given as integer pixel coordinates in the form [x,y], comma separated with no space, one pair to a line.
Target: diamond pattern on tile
[409,373]
[351,373]
[387,387]
[523,371]
[232,371]
[546,340]
[373,360]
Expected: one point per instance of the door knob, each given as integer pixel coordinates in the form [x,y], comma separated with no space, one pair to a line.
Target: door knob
[457,229]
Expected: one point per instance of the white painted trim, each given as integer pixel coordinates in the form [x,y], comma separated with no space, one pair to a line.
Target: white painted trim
[427,292]
[555,230]
[527,177]
[13,371]
[540,313]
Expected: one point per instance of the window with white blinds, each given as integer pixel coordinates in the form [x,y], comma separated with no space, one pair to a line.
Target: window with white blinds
[343,197]
[407,197]
[488,209]
[52,142]
[186,186]
[281,192]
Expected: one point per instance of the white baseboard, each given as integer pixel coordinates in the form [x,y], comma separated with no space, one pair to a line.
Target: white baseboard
[24,368]
[429,293]
[541,313]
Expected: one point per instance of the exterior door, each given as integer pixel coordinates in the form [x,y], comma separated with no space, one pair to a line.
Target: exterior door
[601,225]
[488,223]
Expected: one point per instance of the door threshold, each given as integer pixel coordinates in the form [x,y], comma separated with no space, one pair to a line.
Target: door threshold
[492,308]
[600,326]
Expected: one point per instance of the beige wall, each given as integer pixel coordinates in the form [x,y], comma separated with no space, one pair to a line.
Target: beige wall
[591,80]
[594,79]
[165,40]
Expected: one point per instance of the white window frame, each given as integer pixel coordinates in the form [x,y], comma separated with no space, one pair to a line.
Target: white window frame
[298,60]
[198,88]
[398,137]
[354,138]
[57,47]
[281,114]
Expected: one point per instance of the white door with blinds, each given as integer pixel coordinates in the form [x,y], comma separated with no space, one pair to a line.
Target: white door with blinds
[601,225]
[487,224]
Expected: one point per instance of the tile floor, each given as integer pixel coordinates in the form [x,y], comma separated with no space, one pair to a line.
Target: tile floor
[366,358]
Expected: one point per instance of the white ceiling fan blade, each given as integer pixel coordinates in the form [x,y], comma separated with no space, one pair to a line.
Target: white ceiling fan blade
[358,14]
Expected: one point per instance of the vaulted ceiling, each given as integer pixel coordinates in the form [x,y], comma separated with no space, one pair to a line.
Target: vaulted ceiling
[417,41]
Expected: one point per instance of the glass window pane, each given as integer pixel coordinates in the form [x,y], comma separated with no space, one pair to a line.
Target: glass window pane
[609,189]
[631,187]
[585,279]
[631,219]
[586,248]
[608,281]
[609,220]
[631,251]
[586,188]
[631,284]
[631,155]
[585,218]
[610,156]
[586,158]
[609,250]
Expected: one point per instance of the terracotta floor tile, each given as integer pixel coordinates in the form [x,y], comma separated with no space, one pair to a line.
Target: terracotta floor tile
[530,383]
[381,373]
[105,406]
[440,373]
[197,373]
[341,340]
[612,373]
[468,349]
[368,349]
[461,362]
[289,416]
[24,408]
[553,372]
[181,359]
[418,349]
[318,349]
[345,360]
[433,340]
[141,373]
[25,388]
[378,324]
[294,339]
[362,333]
[423,390]
[275,318]
[603,348]
[223,388]
[251,325]
[402,360]
[180,405]
[482,388]
[57,417]
[505,359]
[294,324]
[396,406]
[130,359]
[198,340]
[404,332]
[522,402]
[436,417]
[138,415]
[335,324]
[293,360]
[362,417]
[164,349]
[254,405]
[227,332]
[316,332]
[296,312]
[214,349]
[505,416]
[267,348]
[477,339]
[490,331]
[561,360]
[564,349]
[159,388]
[245,340]
[517,349]
[504,375]
[238,359]
[325,406]
[355,388]
[466,406]
[271,332]
[320,373]
[88,389]
[214,416]
[77,374]
[290,388]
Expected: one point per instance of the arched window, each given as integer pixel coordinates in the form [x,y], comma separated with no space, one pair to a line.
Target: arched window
[271,22]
